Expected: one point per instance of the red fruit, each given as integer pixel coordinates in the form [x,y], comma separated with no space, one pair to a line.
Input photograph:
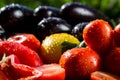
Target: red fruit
[3,76]
[98,36]
[1,40]
[112,61]
[26,55]
[117,35]
[98,75]
[52,72]
[28,40]
[79,63]
[14,69]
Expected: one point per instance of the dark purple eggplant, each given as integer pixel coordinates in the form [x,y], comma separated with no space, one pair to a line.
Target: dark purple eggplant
[16,18]
[52,25]
[45,11]
[75,12]
[77,31]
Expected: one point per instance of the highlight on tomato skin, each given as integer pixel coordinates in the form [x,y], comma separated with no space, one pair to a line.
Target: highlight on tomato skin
[27,39]
[60,57]
[100,75]
[26,55]
[80,62]
[98,35]
[117,35]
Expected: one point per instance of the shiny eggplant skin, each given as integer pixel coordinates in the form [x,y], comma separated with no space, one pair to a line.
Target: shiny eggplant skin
[52,25]
[16,18]
[75,12]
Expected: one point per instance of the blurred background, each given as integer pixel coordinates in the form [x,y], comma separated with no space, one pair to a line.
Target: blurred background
[110,8]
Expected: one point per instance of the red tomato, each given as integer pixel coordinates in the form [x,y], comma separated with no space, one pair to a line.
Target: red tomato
[26,55]
[12,67]
[3,76]
[98,36]
[112,61]
[52,72]
[26,39]
[99,75]
[79,63]
[117,35]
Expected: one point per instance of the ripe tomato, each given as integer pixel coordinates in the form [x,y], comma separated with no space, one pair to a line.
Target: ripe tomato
[117,35]
[52,72]
[79,63]
[112,61]
[99,75]
[98,36]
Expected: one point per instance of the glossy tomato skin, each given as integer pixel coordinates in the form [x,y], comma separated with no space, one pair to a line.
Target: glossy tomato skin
[112,61]
[26,39]
[98,35]
[117,35]
[79,63]
[100,75]
[26,55]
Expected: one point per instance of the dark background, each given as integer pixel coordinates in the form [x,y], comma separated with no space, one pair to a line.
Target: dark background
[111,8]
